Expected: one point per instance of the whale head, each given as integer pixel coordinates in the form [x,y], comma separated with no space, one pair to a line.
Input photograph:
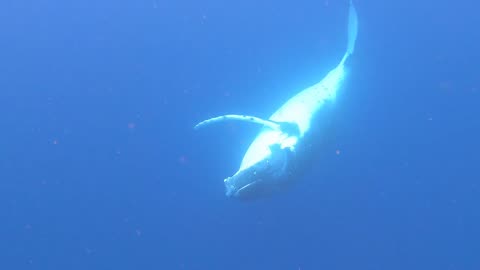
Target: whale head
[267,176]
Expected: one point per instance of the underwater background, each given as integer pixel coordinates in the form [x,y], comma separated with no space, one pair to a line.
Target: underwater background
[100,167]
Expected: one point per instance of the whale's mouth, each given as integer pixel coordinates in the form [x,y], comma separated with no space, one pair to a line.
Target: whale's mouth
[241,184]
[262,178]
[250,182]
[251,191]
[241,192]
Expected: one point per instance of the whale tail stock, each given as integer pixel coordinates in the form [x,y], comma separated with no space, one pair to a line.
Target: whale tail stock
[352,32]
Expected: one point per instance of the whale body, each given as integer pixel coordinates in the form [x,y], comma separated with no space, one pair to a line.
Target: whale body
[279,154]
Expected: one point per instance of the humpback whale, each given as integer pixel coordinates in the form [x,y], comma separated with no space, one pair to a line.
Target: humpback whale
[279,153]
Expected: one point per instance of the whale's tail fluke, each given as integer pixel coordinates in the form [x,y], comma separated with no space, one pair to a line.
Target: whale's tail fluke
[352,31]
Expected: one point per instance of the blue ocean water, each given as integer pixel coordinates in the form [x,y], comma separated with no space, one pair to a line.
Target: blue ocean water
[100,167]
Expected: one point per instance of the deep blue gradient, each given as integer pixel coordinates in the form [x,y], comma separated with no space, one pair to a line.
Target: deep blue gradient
[100,167]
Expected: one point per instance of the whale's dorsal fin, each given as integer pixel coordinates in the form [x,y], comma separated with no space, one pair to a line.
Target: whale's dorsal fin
[285,127]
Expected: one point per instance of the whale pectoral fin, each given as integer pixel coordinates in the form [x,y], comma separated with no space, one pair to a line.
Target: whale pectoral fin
[245,118]
[289,128]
